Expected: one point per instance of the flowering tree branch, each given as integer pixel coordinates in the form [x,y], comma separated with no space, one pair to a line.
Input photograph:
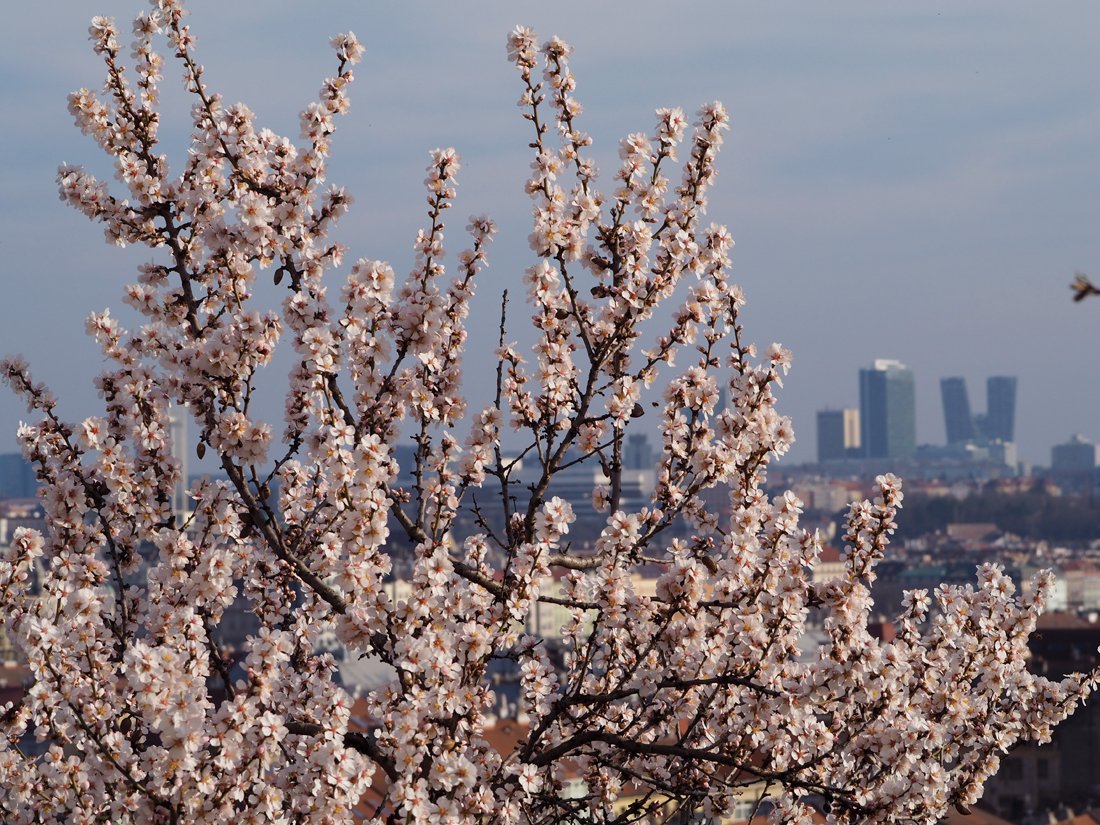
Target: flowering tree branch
[645,705]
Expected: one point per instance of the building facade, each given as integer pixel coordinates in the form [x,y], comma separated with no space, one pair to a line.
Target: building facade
[1078,455]
[1000,416]
[887,410]
[996,424]
[181,492]
[957,418]
[838,435]
[17,478]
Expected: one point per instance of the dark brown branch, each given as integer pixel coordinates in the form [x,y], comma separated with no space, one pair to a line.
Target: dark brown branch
[361,742]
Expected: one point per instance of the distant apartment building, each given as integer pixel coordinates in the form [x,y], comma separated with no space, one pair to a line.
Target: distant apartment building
[887,410]
[1082,586]
[21,512]
[638,453]
[575,482]
[16,477]
[837,434]
[1058,594]
[1076,456]
[830,565]
[825,495]
[181,497]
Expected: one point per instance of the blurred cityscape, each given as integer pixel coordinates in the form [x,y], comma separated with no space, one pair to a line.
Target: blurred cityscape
[968,500]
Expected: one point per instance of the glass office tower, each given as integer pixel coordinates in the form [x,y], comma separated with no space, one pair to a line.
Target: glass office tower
[887,410]
[1000,417]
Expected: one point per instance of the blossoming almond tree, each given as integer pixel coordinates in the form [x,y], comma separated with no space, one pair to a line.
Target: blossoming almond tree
[655,707]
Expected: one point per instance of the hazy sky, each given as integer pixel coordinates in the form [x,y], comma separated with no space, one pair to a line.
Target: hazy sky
[903,180]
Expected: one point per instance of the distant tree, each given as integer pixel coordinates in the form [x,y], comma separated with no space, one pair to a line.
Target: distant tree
[1030,515]
[663,707]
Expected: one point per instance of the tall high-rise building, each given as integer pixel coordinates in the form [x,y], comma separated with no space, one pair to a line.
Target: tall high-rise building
[998,423]
[1000,417]
[17,479]
[177,429]
[957,419]
[637,453]
[887,410]
[837,434]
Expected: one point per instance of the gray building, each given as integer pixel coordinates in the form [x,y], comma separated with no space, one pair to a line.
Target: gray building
[637,453]
[16,477]
[887,410]
[997,423]
[838,435]
[1077,456]
[181,493]
[957,419]
[1000,416]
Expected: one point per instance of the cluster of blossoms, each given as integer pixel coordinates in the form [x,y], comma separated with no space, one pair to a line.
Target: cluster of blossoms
[652,705]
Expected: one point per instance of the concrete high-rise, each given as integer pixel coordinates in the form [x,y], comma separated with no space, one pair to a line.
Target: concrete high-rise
[887,410]
[1078,455]
[957,419]
[997,423]
[837,434]
[637,453]
[181,496]
[1000,416]
[17,479]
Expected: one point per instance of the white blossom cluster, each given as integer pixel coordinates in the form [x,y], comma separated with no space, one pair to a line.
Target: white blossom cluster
[652,705]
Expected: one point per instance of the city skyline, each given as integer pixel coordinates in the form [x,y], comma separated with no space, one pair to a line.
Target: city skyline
[883,426]
[997,423]
[889,172]
[884,423]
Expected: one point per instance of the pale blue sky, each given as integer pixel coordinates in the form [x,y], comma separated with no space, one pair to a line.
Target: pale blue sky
[903,180]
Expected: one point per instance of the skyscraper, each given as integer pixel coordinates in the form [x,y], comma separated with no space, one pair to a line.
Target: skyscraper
[837,434]
[997,423]
[1000,417]
[181,497]
[956,411]
[887,410]
[637,453]
[17,479]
